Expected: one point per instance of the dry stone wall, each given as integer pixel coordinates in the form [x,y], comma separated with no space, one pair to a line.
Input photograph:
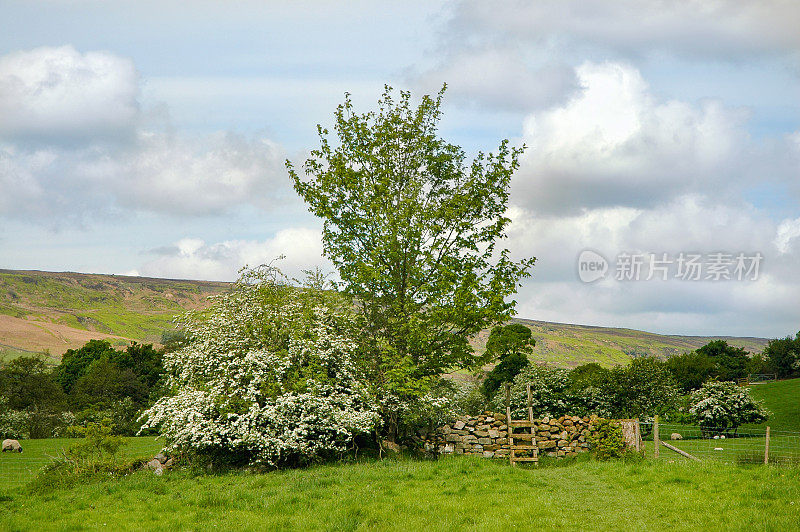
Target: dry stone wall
[487,435]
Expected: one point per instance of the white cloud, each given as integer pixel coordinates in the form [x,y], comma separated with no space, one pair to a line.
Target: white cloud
[723,29]
[614,143]
[690,224]
[59,93]
[498,79]
[192,258]
[787,231]
[61,109]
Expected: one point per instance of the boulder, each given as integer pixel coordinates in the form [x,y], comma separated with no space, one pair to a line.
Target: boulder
[161,457]
[458,425]
[675,436]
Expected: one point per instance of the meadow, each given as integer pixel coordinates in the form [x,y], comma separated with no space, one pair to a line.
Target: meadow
[16,470]
[451,493]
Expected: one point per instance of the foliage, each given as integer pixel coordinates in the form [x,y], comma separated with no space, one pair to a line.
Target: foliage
[691,370]
[26,383]
[412,228]
[75,362]
[95,454]
[642,389]
[143,361]
[269,377]
[32,402]
[724,406]
[730,363]
[511,344]
[783,356]
[607,440]
[505,371]
[586,375]
[550,394]
[105,383]
[511,339]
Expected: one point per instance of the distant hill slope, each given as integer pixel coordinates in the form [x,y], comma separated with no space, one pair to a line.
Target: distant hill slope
[568,345]
[57,311]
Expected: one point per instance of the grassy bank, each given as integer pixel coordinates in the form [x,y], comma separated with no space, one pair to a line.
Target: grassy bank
[18,469]
[781,399]
[453,493]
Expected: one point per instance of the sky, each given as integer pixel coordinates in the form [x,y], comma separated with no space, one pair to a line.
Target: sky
[659,188]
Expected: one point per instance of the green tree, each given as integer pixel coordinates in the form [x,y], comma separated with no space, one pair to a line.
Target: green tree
[509,339]
[413,227]
[511,344]
[104,383]
[691,370]
[75,362]
[589,375]
[27,384]
[730,362]
[643,388]
[143,360]
[30,397]
[783,356]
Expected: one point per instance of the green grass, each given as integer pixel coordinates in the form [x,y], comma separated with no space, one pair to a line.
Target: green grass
[782,399]
[451,494]
[17,469]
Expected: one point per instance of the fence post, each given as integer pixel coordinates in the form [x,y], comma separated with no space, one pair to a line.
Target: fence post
[508,424]
[656,440]
[766,448]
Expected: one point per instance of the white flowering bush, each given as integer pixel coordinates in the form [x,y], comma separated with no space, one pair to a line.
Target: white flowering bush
[551,394]
[724,406]
[269,377]
[13,423]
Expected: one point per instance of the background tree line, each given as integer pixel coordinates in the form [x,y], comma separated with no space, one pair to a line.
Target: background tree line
[92,383]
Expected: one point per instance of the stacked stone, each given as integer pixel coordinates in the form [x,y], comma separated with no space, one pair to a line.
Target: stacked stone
[563,436]
[487,435]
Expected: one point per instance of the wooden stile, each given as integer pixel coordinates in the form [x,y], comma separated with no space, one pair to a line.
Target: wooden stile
[529,445]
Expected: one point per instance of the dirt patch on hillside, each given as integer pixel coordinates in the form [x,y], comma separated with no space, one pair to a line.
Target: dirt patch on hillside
[33,335]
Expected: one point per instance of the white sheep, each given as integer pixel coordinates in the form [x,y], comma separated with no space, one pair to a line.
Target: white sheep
[11,445]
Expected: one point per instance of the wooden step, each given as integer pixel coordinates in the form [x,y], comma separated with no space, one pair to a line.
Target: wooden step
[523,436]
[525,459]
[524,447]
[521,423]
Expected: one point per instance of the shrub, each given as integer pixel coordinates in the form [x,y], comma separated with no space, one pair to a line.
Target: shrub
[724,406]
[643,388]
[607,440]
[269,377]
[550,393]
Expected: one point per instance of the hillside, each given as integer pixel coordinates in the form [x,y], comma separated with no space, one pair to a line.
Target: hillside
[569,345]
[780,398]
[57,311]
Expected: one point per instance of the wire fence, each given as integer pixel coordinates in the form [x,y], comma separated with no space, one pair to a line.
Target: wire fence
[16,470]
[741,446]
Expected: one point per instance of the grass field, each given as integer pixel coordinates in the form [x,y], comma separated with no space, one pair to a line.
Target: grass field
[782,399]
[450,494]
[17,469]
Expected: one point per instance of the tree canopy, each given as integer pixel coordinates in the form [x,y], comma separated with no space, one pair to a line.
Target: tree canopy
[414,229]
